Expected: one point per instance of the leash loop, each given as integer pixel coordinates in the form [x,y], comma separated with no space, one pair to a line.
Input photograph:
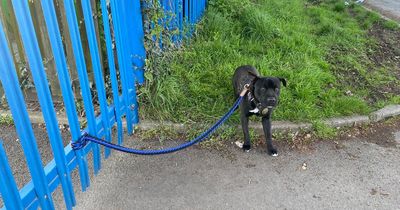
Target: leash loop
[246,88]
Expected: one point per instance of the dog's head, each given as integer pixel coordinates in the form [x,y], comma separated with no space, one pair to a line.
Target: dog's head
[266,91]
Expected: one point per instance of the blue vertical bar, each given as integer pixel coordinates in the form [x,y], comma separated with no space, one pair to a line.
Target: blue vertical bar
[180,19]
[196,9]
[136,36]
[186,20]
[186,9]
[16,103]
[113,73]
[192,13]
[65,83]
[97,70]
[122,62]
[175,21]
[162,20]
[132,17]
[31,46]
[83,78]
[8,187]
[128,70]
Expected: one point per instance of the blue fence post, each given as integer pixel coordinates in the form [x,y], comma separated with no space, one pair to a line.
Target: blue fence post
[134,21]
[130,76]
[22,123]
[195,10]
[83,77]
[180,18]
[130,14]
[186,19]
[192,12]
[97,70]
[8,187]
[113,73]
[64,78]
[31,46]
[186,10]
[122,62]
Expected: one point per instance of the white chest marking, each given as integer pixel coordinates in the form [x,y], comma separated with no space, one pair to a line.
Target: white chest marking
[256,110]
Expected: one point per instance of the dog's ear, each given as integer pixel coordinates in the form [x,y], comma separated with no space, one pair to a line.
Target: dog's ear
[253,74]
[283,80]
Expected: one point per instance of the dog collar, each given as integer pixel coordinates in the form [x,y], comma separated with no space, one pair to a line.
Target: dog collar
[253,104]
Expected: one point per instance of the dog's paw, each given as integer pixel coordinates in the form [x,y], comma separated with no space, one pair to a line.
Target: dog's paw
[273,152]
[246,147]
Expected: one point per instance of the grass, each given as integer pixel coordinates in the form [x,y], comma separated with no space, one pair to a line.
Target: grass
[392,25]
[320,47]
[6,119]
[323,131]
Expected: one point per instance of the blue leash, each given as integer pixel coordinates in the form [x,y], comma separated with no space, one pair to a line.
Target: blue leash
[86,137]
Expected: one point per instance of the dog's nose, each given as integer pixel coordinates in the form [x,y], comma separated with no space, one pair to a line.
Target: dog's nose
[271,100]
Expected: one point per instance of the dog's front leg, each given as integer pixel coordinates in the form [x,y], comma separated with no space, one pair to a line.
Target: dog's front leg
[266,122]
[244,119]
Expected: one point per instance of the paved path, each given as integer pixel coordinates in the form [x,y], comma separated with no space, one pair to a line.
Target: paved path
[349,174]
[388,8]
[353,173]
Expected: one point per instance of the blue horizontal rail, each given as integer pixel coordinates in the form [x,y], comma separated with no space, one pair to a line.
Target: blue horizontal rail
[29,198]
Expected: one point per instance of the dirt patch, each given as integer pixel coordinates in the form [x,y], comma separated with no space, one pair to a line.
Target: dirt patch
[387,50]
[385,54]
[381,61]
[381,133]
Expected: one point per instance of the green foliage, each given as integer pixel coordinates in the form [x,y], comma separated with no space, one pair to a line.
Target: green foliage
[157,96]
[391,25]
[320,47]
[6,119]
[323,131]
[339,7]
[161,133]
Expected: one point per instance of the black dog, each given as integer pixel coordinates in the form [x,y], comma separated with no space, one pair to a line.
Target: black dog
[260,100]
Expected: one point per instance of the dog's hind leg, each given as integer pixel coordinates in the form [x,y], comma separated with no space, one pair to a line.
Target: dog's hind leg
[244,119]
[266,122]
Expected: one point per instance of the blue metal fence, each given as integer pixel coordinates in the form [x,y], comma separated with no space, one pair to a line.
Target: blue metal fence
[126,24]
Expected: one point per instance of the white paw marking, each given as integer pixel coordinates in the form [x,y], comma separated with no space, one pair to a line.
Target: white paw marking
[275,155]
[239,144]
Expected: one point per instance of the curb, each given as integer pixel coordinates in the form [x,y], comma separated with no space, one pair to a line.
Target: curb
[286,126]
[281,126]
[388,111]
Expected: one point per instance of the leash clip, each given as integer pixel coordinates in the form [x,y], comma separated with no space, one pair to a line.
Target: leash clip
[246,88]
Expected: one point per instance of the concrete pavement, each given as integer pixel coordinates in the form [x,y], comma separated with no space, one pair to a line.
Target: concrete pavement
[388,8]
[346,174]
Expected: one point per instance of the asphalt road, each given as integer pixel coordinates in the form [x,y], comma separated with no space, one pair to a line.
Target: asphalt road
[349,174]
[389,8]
[356,172]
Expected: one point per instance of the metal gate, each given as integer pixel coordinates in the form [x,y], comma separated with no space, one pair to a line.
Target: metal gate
[123,27]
